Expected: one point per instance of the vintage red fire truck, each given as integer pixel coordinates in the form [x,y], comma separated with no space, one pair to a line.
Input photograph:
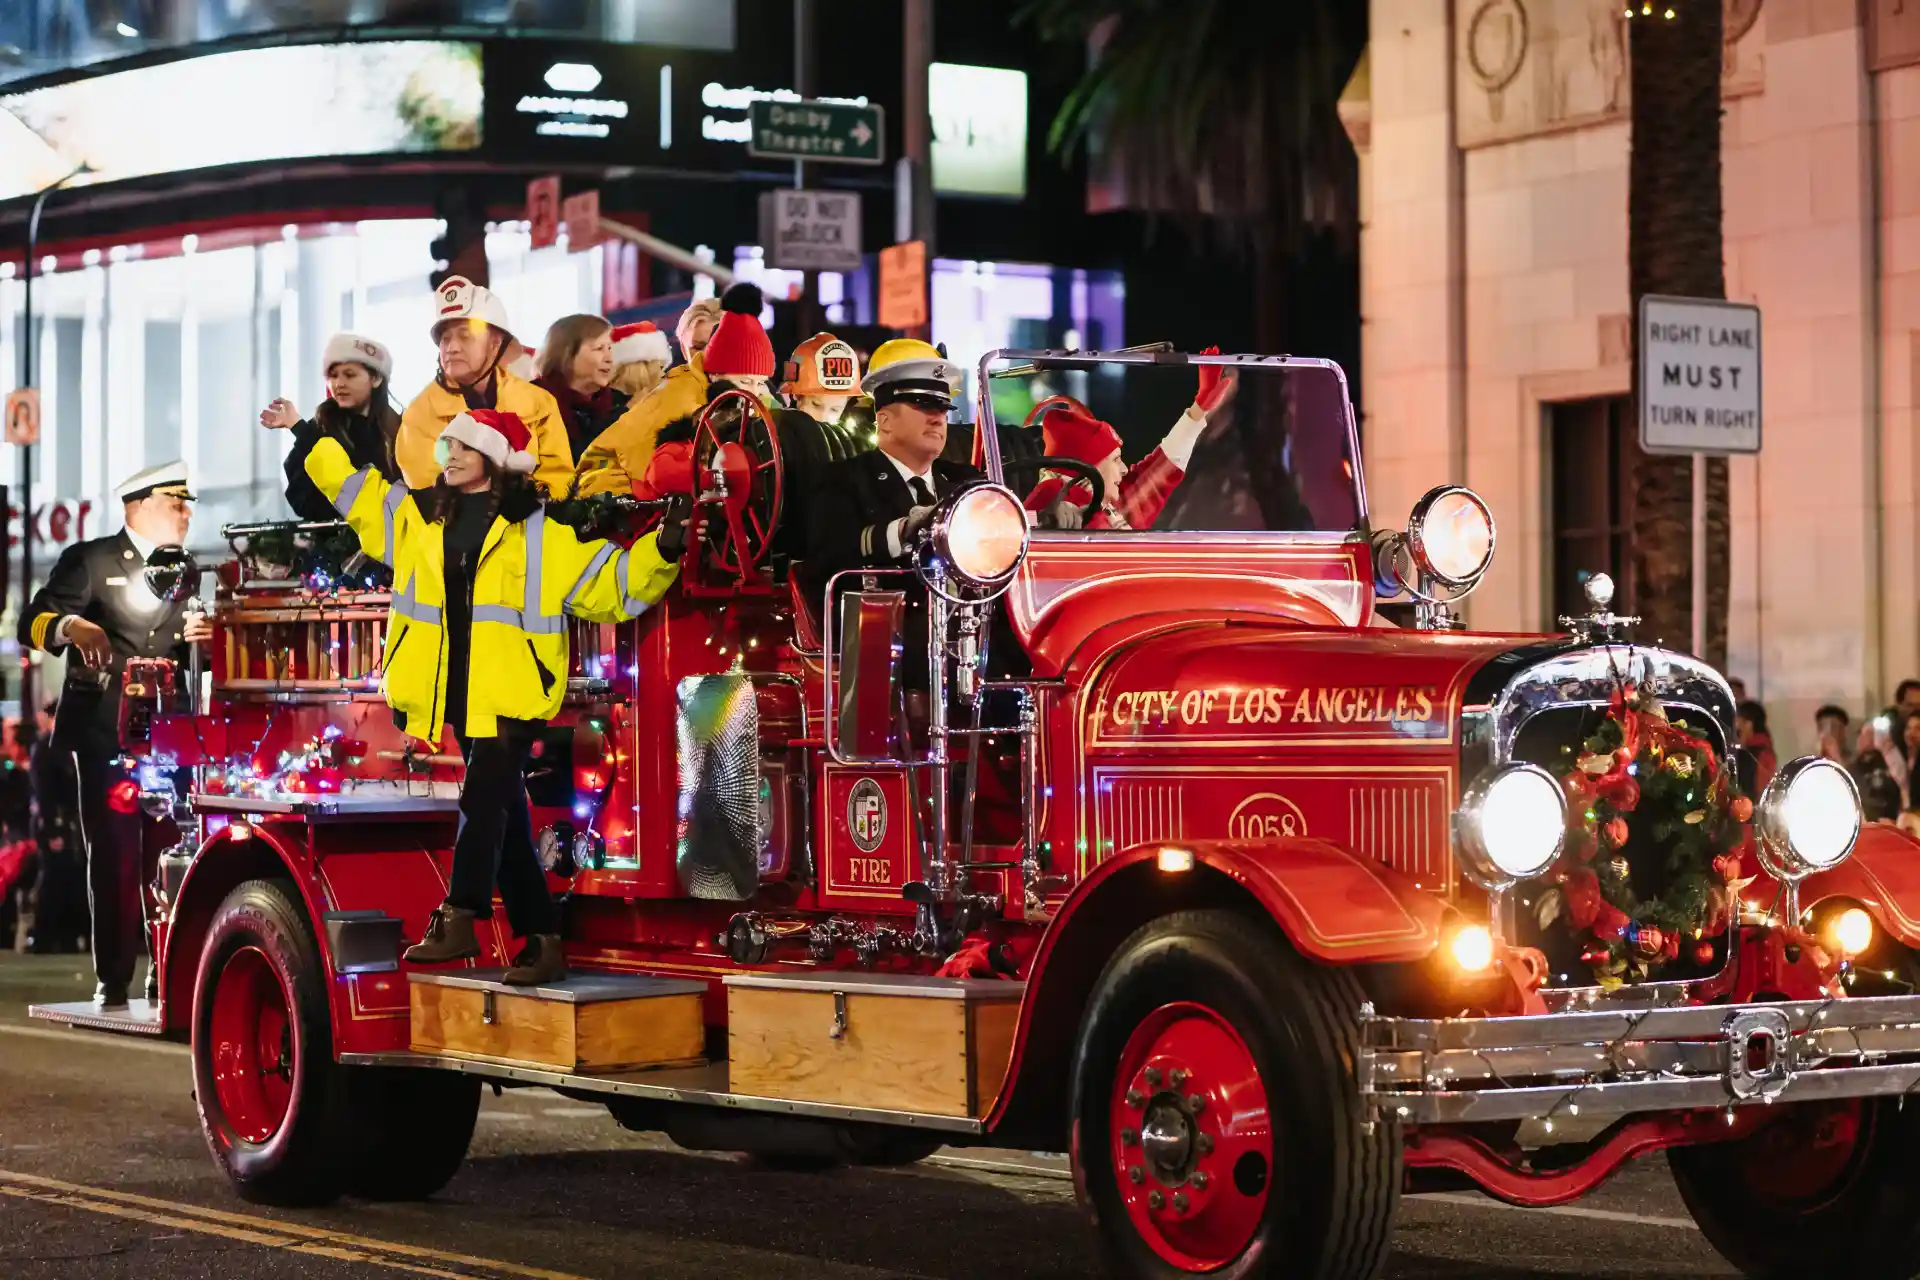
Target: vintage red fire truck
[1163,848]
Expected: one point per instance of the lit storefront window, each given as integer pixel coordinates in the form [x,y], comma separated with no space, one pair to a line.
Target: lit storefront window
[168,349]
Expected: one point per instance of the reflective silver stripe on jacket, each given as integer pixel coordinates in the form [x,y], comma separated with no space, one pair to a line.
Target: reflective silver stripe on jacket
[405,606]
[594,566]
[630,604]
[351,490]
[396,494]
[527,618]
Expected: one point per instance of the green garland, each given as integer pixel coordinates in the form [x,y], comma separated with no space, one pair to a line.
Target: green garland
[1685,807]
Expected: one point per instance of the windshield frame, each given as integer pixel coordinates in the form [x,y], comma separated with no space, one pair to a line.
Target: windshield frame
[1008,356]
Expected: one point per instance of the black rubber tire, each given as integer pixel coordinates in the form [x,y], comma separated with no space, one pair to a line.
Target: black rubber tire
[416,1125]
[304,1161]
[1866,1226]
[1334,1186]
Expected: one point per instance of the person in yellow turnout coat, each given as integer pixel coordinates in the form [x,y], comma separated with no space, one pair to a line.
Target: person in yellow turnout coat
[470,328]
[738,354]
[477,642]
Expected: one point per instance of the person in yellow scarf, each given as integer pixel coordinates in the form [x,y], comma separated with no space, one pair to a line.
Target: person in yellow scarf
[737,351]
[470,326]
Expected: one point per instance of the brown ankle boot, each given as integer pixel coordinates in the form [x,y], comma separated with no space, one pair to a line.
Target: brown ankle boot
[449,937]
[540,962]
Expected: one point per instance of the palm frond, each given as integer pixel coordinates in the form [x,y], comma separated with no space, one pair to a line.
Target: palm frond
[1218,110]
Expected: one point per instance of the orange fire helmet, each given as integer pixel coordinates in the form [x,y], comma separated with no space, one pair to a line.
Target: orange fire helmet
[823,366]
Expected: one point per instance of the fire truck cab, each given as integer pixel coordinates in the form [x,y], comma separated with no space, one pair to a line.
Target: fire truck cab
[1158,846]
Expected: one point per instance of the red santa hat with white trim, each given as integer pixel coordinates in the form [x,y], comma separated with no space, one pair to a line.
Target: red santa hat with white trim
[501,437]
[633,343]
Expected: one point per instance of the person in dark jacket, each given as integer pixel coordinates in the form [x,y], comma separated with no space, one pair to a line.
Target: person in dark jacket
[107,600]
[576,368]
[60,890]
[358,412]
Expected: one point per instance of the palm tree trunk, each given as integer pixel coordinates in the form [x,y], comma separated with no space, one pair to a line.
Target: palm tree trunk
[1674,247]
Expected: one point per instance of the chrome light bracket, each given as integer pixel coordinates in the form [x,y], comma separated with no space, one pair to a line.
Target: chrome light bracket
[1402,562]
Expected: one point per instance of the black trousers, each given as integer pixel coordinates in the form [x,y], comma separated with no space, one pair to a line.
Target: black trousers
[113,844]
[495,843]
[60,895]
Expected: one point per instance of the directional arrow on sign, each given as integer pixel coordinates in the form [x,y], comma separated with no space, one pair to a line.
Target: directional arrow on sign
[862,134]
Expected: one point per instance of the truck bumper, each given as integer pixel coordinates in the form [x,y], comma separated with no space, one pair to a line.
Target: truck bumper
[1613,1062]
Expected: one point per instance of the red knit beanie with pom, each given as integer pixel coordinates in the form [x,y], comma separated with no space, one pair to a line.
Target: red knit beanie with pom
[739,345]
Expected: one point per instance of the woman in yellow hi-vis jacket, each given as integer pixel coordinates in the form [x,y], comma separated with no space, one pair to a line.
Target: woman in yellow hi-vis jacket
[478,641]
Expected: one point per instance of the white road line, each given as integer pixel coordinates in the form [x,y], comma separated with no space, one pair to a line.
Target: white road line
[108,1039]
[1467,1200]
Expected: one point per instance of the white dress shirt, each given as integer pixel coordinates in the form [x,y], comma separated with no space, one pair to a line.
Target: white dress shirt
[908,475]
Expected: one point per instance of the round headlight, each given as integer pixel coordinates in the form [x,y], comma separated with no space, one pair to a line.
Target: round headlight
[1451,536]
[1808,818]
[1513,823]
[983,535]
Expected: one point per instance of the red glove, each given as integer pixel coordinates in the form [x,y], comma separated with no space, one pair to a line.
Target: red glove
[1216,383]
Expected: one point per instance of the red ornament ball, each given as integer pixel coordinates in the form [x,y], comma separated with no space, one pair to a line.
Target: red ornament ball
[1616,832]
[1703,952]
[1741,809]
[1626,794]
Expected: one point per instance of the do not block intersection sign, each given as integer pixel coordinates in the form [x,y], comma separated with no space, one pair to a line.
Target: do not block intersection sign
[811,230]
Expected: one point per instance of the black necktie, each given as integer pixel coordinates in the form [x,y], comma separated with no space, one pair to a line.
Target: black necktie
[921,490]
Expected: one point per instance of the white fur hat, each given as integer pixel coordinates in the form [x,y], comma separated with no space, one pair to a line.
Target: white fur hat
[343,348]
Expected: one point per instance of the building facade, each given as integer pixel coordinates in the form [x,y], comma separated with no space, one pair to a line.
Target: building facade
[1494,143]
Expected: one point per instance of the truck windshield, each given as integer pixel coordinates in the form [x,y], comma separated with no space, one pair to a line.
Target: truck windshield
[1277,455]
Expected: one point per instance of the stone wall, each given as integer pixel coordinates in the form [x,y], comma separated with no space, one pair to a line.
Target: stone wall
[1494,283]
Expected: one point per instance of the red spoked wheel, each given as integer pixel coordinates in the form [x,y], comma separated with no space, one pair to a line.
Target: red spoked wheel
[739,479]
[1218,1127]
[1192,1138]
[273,1102]
[252,1045]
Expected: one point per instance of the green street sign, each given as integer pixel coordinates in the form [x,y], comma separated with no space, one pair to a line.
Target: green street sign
[840,132]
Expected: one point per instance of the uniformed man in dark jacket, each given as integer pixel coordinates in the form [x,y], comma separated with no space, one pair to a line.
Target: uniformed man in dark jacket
[98,608]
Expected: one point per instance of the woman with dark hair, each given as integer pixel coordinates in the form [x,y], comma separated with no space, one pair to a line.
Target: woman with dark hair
[576,368]
[477,643]
[358,412]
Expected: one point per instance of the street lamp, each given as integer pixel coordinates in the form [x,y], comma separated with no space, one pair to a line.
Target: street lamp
[26,450]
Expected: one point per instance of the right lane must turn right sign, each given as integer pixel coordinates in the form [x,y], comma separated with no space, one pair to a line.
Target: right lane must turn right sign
[1699,376]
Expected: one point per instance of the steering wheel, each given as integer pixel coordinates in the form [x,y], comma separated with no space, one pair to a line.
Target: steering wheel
[738,469]
[1083,471]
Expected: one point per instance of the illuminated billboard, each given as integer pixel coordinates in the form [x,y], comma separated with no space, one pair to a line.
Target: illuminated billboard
[244,107]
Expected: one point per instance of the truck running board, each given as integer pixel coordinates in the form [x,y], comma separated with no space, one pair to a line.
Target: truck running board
[138,1018]
[697,1086]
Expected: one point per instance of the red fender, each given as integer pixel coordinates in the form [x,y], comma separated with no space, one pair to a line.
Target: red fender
[214,873]
[1335,906]
[1883,875]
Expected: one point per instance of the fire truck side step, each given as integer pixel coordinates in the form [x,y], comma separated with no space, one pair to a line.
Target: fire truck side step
[903,1042]
[590,1023]
[139,1017]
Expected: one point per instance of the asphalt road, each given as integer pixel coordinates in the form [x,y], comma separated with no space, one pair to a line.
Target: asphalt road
[103,1174]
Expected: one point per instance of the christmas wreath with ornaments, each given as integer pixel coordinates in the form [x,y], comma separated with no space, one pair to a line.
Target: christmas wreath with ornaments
[1689,822]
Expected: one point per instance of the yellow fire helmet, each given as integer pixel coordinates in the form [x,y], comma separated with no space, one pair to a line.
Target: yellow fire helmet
[908,367]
